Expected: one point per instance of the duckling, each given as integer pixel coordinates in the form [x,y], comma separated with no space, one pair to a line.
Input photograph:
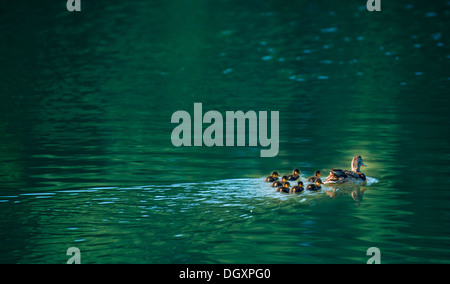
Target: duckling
[298,188]
[345,176]
[272,178]
[294,176]
[279,183]
[316,176]
[314,186]
[284,188]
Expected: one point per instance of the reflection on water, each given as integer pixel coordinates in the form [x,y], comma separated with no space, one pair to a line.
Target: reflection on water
[86,158]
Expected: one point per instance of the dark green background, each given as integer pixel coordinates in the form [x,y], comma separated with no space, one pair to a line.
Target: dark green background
[85,105]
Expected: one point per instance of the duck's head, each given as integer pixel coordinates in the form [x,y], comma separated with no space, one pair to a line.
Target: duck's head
[275,174]
[284,178]
[357,162]
[300,183]
[296,172]
[318,174]
[287,184]
[318,182]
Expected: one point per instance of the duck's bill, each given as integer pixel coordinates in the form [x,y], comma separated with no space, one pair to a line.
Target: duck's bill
[364,165]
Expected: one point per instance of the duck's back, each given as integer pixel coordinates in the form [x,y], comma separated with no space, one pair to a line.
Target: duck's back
[293,177]
[313,187]
[277,184]
[313,179]
[270,179]
[342,176]
[283,189]
[296,189]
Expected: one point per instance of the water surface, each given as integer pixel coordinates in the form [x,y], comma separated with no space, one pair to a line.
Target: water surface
[86,158]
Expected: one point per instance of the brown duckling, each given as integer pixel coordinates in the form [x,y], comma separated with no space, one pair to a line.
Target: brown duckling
[294,176]
[279,183]
[314,186]
[272,177]
[284,188]
[316,176]
[298,188]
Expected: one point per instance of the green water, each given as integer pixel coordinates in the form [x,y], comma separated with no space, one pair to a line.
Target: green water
[86,158]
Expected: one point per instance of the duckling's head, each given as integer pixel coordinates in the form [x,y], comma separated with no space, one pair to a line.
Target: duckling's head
[287,184]
[357,162]
[275,174]
[296,172]
[300,183]
[284,178]
[318,174]
[318,182]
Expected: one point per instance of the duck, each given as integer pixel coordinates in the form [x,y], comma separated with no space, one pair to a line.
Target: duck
[345,176]
[272,177]
[279,183]
[314,186]
[316,176]
[298,188]
[284,188]
[294,176]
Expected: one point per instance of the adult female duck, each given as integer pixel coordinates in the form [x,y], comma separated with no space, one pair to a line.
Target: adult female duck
[345,176]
